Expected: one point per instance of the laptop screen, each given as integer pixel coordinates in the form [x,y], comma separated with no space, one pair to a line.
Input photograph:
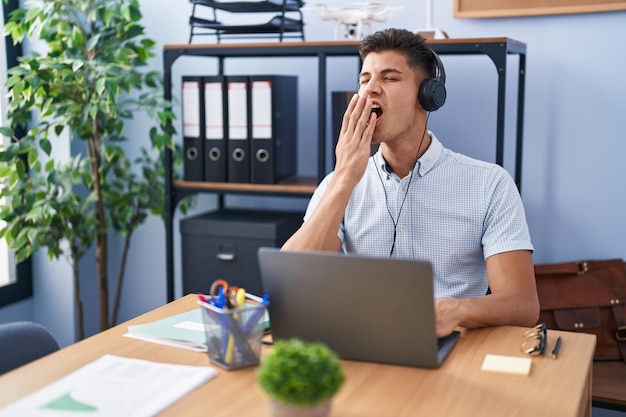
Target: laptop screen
[368,309]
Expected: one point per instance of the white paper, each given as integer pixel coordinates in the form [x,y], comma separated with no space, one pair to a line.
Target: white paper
[186,330]
[113,386]
[167,342]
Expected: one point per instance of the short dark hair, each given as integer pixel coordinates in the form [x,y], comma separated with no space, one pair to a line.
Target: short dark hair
[413,45]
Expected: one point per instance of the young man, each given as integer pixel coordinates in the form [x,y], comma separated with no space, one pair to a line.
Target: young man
[415,199]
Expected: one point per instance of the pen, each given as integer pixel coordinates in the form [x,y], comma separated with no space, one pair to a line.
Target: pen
[221,299]
[253,320]
[557,346]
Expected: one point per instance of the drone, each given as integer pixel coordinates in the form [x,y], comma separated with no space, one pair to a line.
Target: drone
[355,19]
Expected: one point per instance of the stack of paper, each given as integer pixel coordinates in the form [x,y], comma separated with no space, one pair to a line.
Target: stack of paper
[186,330]
[113,386]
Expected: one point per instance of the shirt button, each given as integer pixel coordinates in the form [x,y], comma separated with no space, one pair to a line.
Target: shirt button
[403,228]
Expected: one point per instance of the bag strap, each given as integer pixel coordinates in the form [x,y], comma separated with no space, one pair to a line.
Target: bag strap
[620,334]
[567,268]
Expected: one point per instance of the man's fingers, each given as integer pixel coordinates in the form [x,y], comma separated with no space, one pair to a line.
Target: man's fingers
[358,118]
[346,116]
[371,125]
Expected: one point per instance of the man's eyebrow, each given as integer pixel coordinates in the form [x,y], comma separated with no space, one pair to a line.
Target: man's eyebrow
[385,71]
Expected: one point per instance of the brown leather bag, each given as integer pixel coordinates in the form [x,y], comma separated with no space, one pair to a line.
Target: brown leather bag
[589,297]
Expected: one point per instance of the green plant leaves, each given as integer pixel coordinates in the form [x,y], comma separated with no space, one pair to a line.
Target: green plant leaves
[45,145]
[300,373]
[6,131]
[93,41]
[92,79]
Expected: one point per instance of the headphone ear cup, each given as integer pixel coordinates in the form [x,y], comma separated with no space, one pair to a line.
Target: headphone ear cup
[432,94]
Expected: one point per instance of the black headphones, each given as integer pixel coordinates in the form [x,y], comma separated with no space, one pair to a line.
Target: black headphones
[432,94]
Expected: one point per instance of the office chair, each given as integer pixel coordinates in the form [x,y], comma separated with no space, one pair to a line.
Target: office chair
[23,342]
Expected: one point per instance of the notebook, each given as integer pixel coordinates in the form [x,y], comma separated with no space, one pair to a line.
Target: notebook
[366,309]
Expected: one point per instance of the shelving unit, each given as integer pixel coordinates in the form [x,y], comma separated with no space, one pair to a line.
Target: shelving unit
[497,49]
[286,22]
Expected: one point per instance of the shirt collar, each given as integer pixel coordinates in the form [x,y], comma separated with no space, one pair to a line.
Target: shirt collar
[425,163]
[428,159]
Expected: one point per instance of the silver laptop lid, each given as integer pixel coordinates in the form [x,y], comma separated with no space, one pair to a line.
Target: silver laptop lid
[367,309]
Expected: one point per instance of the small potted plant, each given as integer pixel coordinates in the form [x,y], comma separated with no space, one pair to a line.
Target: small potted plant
[300,378]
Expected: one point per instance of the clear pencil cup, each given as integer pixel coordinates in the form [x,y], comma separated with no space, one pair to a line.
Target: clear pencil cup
[234,335]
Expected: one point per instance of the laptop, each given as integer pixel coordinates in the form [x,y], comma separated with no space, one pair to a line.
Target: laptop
[365,309]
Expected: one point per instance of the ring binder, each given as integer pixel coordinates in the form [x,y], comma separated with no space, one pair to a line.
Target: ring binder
[215,155]
[192,117]
[274,102]
[238,164]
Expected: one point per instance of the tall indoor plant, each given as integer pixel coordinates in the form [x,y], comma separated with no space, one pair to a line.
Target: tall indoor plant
[87,83]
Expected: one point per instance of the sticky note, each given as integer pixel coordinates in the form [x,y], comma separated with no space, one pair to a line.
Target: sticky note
[511,365]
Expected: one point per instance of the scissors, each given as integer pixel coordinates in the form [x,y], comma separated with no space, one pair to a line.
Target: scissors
[231,293]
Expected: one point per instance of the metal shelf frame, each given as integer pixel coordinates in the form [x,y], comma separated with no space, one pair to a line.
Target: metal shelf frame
[497,49]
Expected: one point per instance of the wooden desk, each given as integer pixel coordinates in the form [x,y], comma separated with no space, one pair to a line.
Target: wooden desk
[559,387]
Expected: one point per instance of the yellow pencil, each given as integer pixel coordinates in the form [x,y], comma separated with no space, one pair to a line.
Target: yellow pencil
[240,299]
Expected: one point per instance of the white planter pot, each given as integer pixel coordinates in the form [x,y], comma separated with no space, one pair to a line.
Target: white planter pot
[279,409]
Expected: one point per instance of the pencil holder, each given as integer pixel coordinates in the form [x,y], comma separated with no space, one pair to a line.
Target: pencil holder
[234,335]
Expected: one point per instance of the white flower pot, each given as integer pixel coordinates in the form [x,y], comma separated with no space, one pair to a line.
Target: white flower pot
[279,409]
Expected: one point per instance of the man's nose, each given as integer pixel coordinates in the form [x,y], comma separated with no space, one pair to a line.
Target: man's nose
[372,87]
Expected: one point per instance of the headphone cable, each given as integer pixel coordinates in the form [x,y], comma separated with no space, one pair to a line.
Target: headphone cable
[406,193]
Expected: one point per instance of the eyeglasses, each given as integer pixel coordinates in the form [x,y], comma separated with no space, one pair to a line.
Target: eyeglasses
[536,340]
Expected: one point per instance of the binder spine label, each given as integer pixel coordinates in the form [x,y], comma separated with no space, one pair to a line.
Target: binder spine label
[262,109]
[237,111]
[214,115]
[191,115]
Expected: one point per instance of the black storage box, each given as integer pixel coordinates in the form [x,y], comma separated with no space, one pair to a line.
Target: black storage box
[223,245]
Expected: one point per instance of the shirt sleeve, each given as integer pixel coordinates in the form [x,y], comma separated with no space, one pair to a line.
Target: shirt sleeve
[505,228]
[315,199]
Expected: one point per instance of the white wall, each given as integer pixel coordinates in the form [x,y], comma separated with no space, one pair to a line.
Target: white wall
[574,130]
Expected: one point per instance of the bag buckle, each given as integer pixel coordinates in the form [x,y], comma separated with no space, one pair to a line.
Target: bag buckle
[620,334]
[582,267]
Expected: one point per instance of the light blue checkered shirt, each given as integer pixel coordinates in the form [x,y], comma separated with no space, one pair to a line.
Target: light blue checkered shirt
[458,212]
